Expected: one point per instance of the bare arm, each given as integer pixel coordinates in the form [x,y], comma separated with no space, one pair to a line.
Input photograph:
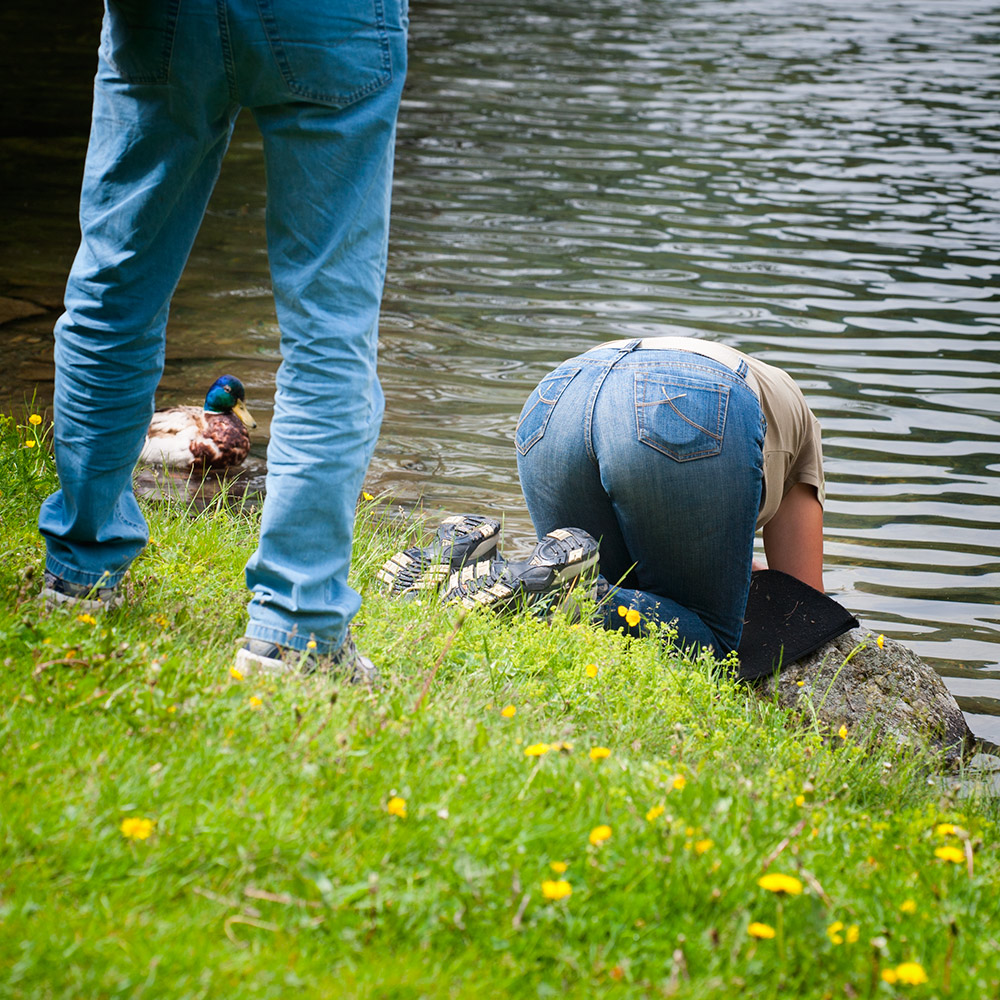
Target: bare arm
[793,538]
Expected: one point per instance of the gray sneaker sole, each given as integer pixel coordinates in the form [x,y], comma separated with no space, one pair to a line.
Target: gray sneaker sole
[558,560]
[462,539]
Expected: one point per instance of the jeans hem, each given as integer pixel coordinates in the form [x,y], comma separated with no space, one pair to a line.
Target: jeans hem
[290,639]
[69,575]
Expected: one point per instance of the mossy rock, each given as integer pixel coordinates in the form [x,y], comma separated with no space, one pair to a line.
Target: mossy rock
[878,693]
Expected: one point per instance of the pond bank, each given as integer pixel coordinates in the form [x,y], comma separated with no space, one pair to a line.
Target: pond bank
[564,810]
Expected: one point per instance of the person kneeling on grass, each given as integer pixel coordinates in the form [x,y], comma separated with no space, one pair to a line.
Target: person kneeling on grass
[671,451]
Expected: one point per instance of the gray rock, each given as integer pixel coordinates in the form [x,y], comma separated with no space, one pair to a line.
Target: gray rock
[887,693]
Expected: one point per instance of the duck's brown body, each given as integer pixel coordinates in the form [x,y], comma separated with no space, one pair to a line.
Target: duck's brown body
[186,437]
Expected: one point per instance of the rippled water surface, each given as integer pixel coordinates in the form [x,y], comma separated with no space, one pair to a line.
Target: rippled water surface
[817,184]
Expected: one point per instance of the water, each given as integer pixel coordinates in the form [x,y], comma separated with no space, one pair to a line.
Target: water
[814,183]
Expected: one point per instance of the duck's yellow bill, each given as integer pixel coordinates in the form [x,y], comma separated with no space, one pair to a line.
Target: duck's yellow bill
[240,409]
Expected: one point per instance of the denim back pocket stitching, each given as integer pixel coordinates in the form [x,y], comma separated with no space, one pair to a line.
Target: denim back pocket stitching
[373,61]
[534,418]
[137,39]
[670,390]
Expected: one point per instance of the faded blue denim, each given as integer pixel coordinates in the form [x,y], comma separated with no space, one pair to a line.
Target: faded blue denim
[323,81]
[659,455]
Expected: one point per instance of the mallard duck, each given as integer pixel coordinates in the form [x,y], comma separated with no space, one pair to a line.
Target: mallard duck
[213,437]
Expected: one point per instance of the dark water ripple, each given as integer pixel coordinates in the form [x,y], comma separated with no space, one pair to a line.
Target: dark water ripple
[814,182]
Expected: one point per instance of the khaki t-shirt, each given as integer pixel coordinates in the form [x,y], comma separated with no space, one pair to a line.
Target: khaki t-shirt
[793,450]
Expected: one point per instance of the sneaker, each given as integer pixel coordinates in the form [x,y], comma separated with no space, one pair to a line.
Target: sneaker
[80,596]
[269,657]
[460,540]
[552,569]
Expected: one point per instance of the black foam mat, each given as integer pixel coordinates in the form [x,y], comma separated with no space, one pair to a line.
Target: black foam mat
[785,620]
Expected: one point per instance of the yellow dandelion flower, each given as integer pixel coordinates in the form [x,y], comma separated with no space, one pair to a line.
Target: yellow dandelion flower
[949,853]
[852,934]
[34,420]
[599,753]
[880,641]
[653,813]
[701,846]
[908,906]
[86,619]
[800,800]
[255,703]
[833,932]
[235,674]
[800,683]
[136,827]
[946,829]
[763,931]
[842,732]
[537,749]
[590,670]
[632,618]
[600,834]
[30,443]
[679,782]
[889,976]
[311,644]
[396,806]
[776,882]
[558,866]
[911,973]
[367,496]
[171,709]
[508,712]
[622,610]
[556,889]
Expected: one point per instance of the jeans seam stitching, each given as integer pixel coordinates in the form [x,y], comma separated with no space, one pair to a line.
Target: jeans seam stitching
[588,424]
[227,51]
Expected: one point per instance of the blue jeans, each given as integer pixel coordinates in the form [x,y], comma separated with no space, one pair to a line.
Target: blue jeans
[659,455]
[323,81]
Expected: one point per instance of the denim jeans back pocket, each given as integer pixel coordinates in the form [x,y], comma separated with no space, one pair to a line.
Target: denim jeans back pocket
[137,38]
[683,418]
[330,52]
[539,406]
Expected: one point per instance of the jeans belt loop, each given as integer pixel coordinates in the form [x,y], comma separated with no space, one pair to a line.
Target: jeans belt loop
[742,369]
[631,346]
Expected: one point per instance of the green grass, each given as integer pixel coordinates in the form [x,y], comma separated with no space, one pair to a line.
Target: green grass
[274,867]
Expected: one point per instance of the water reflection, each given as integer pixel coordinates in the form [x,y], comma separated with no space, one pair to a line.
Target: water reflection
[814,184]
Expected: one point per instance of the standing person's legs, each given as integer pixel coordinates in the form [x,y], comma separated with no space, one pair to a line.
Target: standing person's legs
[161,123]
[328,144]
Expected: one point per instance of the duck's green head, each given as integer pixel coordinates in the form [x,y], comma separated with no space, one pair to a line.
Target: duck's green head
[227,395]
